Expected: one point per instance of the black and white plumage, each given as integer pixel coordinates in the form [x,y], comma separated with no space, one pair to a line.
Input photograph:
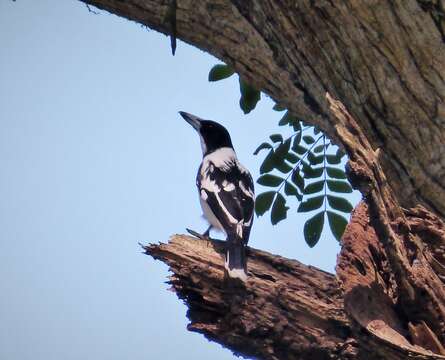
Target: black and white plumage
[226,192]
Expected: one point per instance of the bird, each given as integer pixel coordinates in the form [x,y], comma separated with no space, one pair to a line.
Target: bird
[226,193]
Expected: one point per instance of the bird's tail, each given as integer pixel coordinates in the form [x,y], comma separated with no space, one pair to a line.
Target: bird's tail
[236,264]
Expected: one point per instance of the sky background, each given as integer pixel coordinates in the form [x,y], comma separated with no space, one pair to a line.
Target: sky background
[94,158]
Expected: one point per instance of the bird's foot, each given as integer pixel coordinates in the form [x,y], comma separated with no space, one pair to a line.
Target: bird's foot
[204,236]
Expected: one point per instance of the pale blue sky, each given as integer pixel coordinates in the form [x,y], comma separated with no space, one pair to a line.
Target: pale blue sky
[94,159]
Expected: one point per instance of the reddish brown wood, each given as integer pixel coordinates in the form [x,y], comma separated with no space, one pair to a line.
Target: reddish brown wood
[287,310]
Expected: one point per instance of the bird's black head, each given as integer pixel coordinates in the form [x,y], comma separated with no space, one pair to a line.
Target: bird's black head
[213,135]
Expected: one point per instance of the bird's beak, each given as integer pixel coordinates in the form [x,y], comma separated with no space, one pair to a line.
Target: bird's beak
[191,119]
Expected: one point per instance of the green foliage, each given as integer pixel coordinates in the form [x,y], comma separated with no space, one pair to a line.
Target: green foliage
[310,167]
[278,107]
[340,204]
[220,71]
[313,228]
[249,97]
[310,204]
[276,138]
[279,209]
[269,180]
[263,202]
[313,172]
[314,187]
[337,223]
[336,173]
[263,146]
[170,21]
[339,186]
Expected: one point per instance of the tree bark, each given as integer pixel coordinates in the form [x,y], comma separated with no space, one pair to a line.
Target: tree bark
[286,311]
[371,75]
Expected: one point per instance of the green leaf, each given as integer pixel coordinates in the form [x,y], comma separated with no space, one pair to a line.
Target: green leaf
[313,228]
[340,153]
[269,180]
[283,167]
[249,97]
[279,209]
[220,71]
[268,162]
[316,130]
[335,173]
[263,146]
[289,189]
[170,19]
[297,137]
[282,150]
[339,204]
[308,139]
[333,159]
[298,148]
[278,107]
[310,156]
[318,148]
[285,119]
[291,157]
[314,187]
[276,138]
[292,120]
[297,179]
[296,125]
[310,172]
[337,223]
[263,202]
[311,204]
[315,160]
[339,186]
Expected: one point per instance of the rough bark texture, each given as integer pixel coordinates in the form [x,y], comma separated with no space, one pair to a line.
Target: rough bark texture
[289,310]
[286,311]
[371,75]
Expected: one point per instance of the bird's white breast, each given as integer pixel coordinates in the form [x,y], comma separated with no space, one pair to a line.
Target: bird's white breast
[209,215]
[222,158]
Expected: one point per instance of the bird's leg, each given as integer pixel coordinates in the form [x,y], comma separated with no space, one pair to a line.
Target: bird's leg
[204,236]
[207,232]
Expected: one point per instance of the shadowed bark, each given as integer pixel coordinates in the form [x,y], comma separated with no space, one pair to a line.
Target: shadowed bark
[371,75]
[286,310]
[289,310]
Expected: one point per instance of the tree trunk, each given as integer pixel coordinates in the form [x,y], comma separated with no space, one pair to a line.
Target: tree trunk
[371,75]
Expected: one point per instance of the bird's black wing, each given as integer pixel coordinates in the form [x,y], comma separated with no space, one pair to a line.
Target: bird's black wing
[229,192]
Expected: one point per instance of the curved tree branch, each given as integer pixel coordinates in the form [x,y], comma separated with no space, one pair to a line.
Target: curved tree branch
[370,74]
[287,310]
[383,59]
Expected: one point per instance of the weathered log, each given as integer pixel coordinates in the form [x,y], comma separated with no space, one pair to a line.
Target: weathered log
[373,298]
[286,311]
